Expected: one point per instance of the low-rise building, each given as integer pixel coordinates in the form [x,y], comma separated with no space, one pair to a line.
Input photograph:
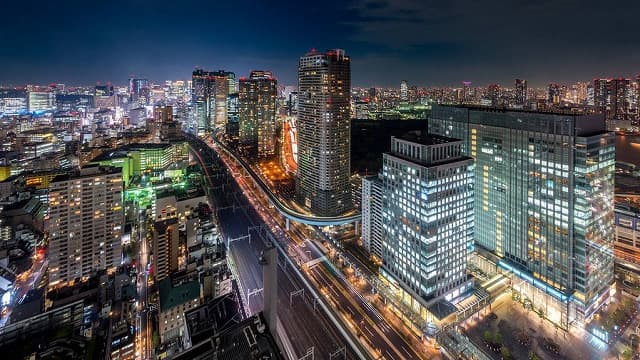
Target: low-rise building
[627,241]
[175,299]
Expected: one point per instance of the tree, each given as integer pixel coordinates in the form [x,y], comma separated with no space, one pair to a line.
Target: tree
[487,336]
[156,339]
[626,354]
[506,354]
[533,356]
[498,339]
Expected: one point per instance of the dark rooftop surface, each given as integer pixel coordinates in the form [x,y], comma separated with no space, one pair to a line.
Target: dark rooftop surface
[30,306]
[162,225]
[84,173]
[248,340]
[424,138]
[214,317]
[560,112]
[172,296]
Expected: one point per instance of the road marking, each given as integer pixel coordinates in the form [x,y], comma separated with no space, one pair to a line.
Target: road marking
[406,352]
[369,331]
[390,357]
[351,311]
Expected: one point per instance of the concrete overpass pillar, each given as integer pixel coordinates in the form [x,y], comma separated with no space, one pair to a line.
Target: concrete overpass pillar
[287,224]
[356,227]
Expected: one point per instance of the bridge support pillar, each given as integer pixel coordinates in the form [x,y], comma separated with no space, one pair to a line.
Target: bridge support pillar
[287,224]
[356,227]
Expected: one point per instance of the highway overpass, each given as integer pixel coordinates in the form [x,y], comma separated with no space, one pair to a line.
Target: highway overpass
[284,209]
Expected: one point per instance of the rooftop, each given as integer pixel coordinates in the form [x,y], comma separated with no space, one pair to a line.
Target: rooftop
[162,225]
[507,110]
[212,318]
[556,122]
[249,340]
[172,296]
[87,171]
[423,138]
[628,208]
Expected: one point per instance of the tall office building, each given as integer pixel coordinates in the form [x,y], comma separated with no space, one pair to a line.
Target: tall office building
[372,94]
[543,201]
[104,96]
[467,95]
[201,94]
[257,113]
[427,218]
[163,114]
[223,80]
[13,102]
[627,243]
[292,103]
[85,224]
[139,92]
[521,92]
[209,99]
[104,90]
[231,82]
[404,91]
[324,127]
[165,247]
[493,94]
[614,99]
[41,100]
[553,95]
[372,214]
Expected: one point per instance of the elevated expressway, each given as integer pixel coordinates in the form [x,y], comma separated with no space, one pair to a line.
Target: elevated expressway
[286,211]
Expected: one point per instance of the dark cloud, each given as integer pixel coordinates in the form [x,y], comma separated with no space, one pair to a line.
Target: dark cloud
[427,42]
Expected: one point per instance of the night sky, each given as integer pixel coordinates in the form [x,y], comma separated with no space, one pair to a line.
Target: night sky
[429,43]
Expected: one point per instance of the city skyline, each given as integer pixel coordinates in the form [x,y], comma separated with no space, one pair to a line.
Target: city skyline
[356,179]
[429,44]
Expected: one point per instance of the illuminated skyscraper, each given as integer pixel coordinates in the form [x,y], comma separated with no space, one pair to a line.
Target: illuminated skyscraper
[104,96]
[614,99]
[209,99]
[493,94]
[467,95]
[40,100]
[139,92]
[85,224]
[223,80]
[404,91]
[163,114]
[543,201]
[427,218]
[257,113]
[554,95]
[521,92]
[201,94]
[324,127]
[372,214]
[13,102]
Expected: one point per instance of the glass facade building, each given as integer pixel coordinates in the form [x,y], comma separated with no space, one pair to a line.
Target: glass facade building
[427,218]
[209,92]
[543,201]
[627,245]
